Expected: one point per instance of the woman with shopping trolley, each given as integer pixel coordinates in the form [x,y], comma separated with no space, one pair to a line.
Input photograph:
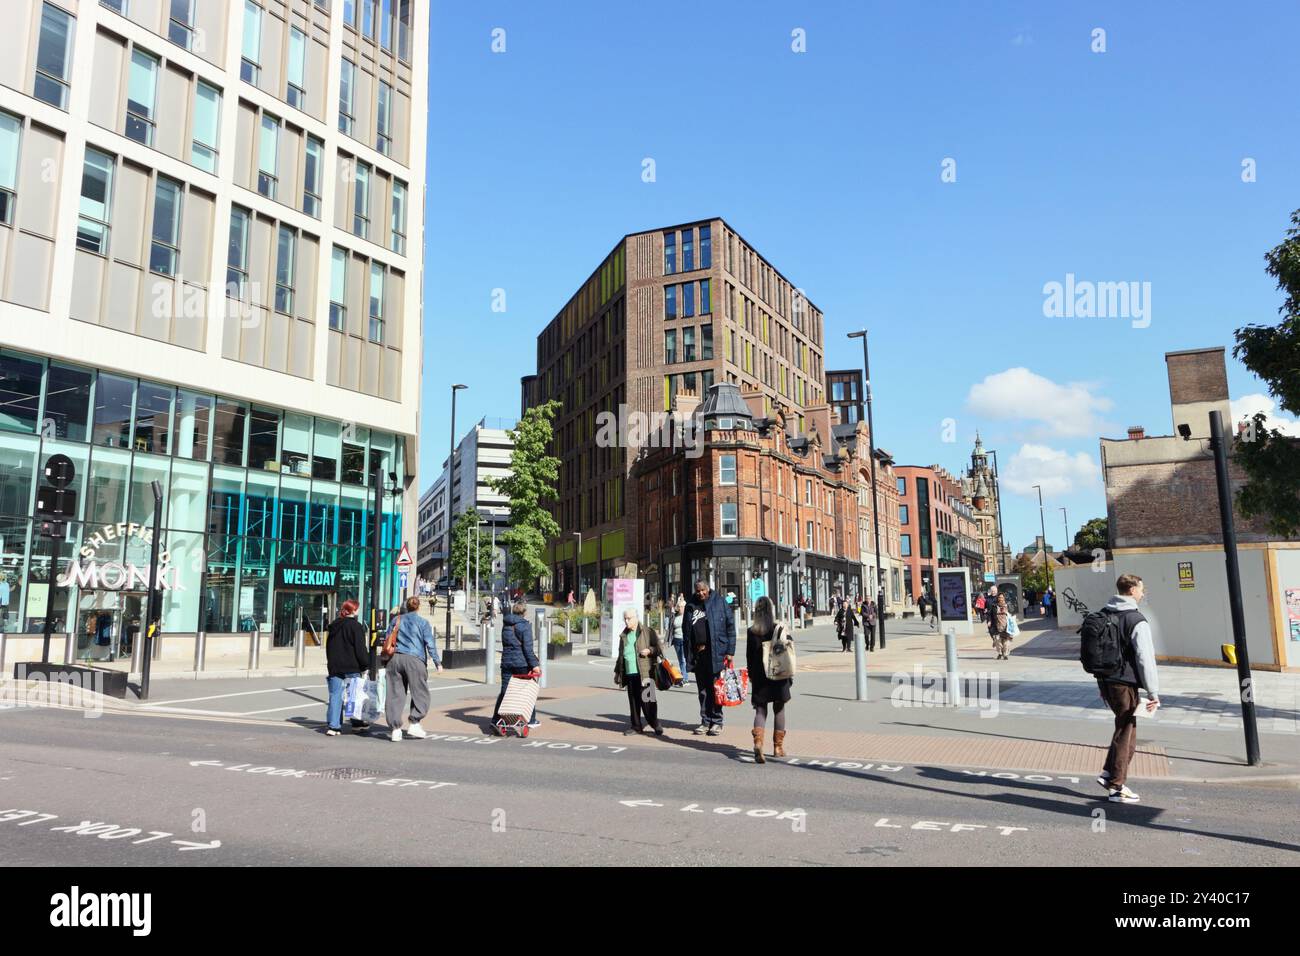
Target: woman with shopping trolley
[517,658]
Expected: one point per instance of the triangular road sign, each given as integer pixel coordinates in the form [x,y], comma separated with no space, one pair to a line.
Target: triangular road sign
[404,559]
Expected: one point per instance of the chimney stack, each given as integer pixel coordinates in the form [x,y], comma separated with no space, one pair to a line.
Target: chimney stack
[1135,432]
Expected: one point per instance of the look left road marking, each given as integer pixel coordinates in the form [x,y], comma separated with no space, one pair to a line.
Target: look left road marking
[725,811]
[316,775]
[105,831]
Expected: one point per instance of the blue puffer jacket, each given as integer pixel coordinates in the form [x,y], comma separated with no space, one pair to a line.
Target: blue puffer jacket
[517,644]
[722,631]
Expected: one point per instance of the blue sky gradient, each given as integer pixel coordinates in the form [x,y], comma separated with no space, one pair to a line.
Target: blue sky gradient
[1117,166]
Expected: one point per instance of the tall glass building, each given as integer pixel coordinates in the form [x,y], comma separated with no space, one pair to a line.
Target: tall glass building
[211,243]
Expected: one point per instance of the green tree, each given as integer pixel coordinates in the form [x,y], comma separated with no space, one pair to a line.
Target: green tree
[1033,577]
[1091,536]
[462,549]
[1270,459]
[532,481]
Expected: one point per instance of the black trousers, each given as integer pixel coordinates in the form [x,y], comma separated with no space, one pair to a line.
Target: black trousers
[705,675]
[642,702]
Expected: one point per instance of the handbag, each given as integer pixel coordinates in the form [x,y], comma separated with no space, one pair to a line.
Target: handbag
[730,688]
[778,656]
[1012,627]
[390,643]
[666,674]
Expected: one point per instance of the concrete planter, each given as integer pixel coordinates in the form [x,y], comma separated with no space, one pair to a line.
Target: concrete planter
[558,650]
[466,657]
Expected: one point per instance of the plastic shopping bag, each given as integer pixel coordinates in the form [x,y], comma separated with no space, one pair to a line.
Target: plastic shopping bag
[1012,627]
[354,697]
[730,688]
[363,699]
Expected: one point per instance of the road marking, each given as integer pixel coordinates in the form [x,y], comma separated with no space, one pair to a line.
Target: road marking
[276,710]
[942,827]
[287,772]
[726,811]
[242,693]
[105,831]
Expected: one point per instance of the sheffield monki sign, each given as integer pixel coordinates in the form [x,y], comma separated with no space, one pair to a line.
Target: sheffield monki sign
[92,574]
[307,576]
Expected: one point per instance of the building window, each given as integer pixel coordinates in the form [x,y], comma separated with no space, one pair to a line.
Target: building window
[53,57]
[688,344]
[350,13]
[207,125]
[902,486]
[361,201]
[809,545]
[670,302]
[688,250]
[688,300]
[296,96]
[727,469]
[249,67]
[706,299]
[95,211]
[807,491]
[165,251]
[180,27]
[339,289]
[313,170]
[384,120]
[398,240]
[902,514]
[670,346]
[706,249]
[376,303]
[10,136]
[141,94]
[386,26]
[285,251]
[237,256]
[347,91]
[117,6]
[905,545]
[670,253]
[404,27]
[368,18]
[267,156]
[706,341]
[730,520]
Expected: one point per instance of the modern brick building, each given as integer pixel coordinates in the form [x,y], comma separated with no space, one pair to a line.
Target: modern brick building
[937,526]
[670,310]
[210,253]
[846,397]
[756,503]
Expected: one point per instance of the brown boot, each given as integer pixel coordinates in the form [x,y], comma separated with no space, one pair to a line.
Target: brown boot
[758,733]
[778,743]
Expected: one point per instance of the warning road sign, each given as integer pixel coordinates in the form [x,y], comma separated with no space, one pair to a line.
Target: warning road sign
[404,559]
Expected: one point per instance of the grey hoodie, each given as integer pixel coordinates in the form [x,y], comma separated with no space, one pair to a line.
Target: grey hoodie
[1144,648]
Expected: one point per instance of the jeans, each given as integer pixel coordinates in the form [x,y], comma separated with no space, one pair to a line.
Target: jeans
[334,714]
[679,645]
[505,682]
[710,709]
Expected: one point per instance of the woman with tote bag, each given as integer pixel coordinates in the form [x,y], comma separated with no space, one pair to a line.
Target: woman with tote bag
[769,650]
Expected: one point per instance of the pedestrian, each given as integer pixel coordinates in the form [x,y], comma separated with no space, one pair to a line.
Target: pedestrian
[347,654]
[979,606]
[639,653]
[1048,603]
[763,691]
[1120,692]
[517,658]
[920,605]
[412,642]
[869,622]
[999,621]
[845,622]
[572,601]
[679,641]
[711,644]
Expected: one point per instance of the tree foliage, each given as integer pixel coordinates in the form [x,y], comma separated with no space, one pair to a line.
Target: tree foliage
[530,485]
[1033,577]
[463,550]
[1091,536]
[1270,459]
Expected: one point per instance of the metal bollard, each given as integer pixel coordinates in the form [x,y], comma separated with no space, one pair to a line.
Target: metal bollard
[69,647]
[137,654]
[544,636]
[299,648]
[950,650]
[254,650]
[200,650]
[157,644]
[3,640]
[489,655]
[460,636]
[585,624]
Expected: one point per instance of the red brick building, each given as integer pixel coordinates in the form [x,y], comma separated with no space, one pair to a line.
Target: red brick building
[755,502]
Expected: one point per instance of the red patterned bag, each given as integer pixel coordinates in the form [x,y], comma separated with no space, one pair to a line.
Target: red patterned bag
[730,688]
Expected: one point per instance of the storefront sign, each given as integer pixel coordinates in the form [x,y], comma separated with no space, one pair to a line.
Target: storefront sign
[1186,579]
[93,575]
[307,576]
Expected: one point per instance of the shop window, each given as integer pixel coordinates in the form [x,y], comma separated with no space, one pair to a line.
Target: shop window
[186,500]
[326,450]
[264,438]
[229,424]
[193,425]
[153,418]
[108,486]
[145,470]
[260,504]
[67,401]
[113,400]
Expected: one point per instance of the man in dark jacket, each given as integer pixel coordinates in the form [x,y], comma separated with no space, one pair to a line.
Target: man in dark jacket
[347,654]
[711,644]
[517,657]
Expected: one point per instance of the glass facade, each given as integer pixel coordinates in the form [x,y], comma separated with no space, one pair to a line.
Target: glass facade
[247,490]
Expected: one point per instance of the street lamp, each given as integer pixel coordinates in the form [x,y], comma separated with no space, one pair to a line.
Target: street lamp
[451,477]
[1065,519]
[577,568]
[859,663]
[1043,527]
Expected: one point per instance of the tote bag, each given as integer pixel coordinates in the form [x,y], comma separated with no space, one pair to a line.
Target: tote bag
[778,656]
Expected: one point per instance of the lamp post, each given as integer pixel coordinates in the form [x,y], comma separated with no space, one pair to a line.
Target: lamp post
[577,568]
[153,609]
[859,662]
[997,515]
[1065,519]
[451,478]
[377,610]
[1043,527]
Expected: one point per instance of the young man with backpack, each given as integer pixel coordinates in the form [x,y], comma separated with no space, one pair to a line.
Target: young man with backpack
[1116,648]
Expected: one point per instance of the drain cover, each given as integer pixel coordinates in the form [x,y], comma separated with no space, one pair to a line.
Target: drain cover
[345,773]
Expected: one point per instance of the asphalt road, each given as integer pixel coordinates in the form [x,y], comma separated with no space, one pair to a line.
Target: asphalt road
[174,790]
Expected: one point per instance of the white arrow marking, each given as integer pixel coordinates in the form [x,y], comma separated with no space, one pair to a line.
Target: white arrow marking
[187,845]
[205,763]
[639,803]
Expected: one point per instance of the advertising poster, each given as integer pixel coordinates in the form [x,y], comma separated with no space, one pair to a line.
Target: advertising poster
[620,595]
[1293,613]
[1186,579]
[954,598]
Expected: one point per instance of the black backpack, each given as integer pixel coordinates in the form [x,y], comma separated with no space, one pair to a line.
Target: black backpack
[1102,643]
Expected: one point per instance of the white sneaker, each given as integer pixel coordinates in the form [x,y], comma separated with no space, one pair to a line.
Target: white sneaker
[1103,778]
[416,731]
[396,735]
[1123,795]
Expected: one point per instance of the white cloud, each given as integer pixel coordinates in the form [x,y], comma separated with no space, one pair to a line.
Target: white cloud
[1249,405]
[1070,410]
[1059,472]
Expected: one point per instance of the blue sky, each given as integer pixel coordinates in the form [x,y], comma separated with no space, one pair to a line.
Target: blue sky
[1122,166]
